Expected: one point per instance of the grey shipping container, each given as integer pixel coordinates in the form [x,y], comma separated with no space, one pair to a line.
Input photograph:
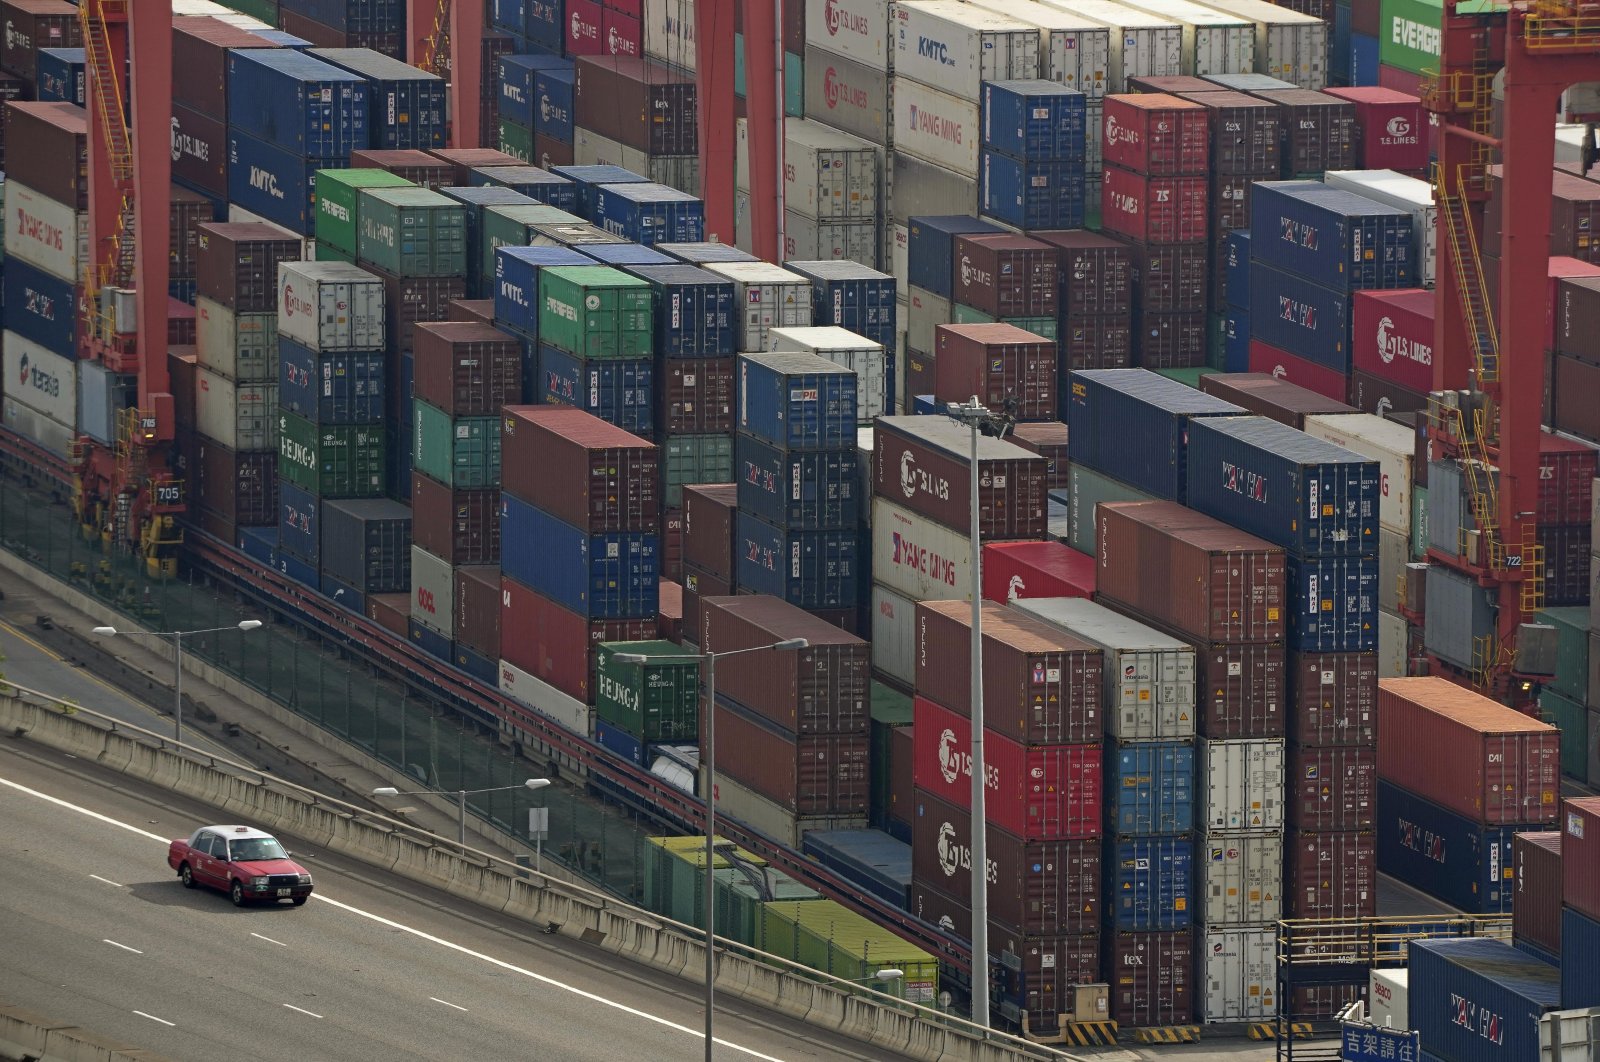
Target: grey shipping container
[1459,612]
[366,543]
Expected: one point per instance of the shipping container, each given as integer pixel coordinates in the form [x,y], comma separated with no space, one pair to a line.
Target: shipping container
[36,24]
[696,395]
[413,232]
[1090,489]
[799,490]
[333,461]
[709,515]
[56,164]
[516,283]
[929,457]
[1149,883]
[460,526]
[862,356]
[1005,275]
[935,126]
[1582,936]
[330,306]
[815,569]
[649,213]
[1151,977]
[893,638]
[595,311]
[536,183]
[200,150]
[1333,699]
[804,774]
[657,701]
[407,104]
[1237,975]
[545,699]
[694,309]
[1029,119]
[463,453]
[338,388]
[1013,570]
[240,487]
[1580,886]
[930,254]
[637,102]
[466,369]
[1238,878]
[853,296]
[1479,999]
[45,233]
[1149,788]
[43,309]
[614,576]
[1335,238]
[1330,875]
[1240,784]
[1462,862]
[1001,364]
[1156,135]
[826,936]
[416,166]
[366,544]
[797,400]
[1048,439]
[1332,789]
[298,103]
[960,47]
[620,391]
[299,523]
[1397,190]
[1155,210]
[1271,397]
[556,644]
[241,416]
[918,557]
[580,469]
[765,298]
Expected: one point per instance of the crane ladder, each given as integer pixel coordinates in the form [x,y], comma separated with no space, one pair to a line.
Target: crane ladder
[116,266]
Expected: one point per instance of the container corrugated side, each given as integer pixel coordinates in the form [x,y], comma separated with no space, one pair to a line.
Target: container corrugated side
[1475,999]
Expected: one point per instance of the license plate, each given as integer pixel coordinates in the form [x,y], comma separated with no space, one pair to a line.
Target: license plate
[283,892]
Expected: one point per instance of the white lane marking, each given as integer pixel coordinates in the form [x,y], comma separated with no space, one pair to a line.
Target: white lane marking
[124,947]
[269,940]
[447,1003]
[302,1010]
[592,997]
[152,1017]
[108,881]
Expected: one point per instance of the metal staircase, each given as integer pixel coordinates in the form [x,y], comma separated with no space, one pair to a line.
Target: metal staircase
[436,60]
[113,265]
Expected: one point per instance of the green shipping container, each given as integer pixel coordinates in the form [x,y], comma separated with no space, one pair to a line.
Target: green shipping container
[1044,327]
[339,207]
[656,702]
[829,937]
[1573,720]
[516,141]
[674,885]
[794,79]
[461,452]
[596,311]
[265,10]
[327,253]
[1408,34]
[513,226]
[691,459]
[1419,523]
[1188,377]
[331,462]
[890,711]
[1572,650]
[412,232]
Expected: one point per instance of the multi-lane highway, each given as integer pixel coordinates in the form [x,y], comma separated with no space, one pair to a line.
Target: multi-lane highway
[100,934]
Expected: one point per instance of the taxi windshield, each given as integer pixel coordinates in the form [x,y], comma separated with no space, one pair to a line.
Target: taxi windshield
[255,849]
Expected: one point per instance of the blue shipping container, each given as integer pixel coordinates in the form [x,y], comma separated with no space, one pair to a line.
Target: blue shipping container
[351,16]
[1293,314]
[604,576]
[870,859]
[1339,45]
[1149,788]
[1444,854]
[852,296]
[542,186]
[509,16]
[1311,497]
[590,178]
[703,253]
[810,569]
[331,389]
[260,544]
[1236,268]
[515,77]
[797,401]
[553,89]
[1331,237]
[1102,403]
[1235,341]
[1031,195]
[1580,967]
[430,641]
[41,308]
[620,391]
[1478,1000]
[1033,120]
[516,284]
[408,109]
[281,39]
[649,213]
[274,183]
[615,739]
[1148,882]
[622,255]
[297,103]
[802,490]
[925,406]
[1333,604]
[930,250]
[694,311]
[299,522]
[343,594]
[59,75]
[1363,60]
[483,668]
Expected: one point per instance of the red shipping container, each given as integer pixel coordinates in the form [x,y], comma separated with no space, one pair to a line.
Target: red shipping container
[1151,977]
[1041,686]
[1095,270]
[555,645]
[1330,875]
[1173,83]
[1000,364]
[1464,752]
[669,612]
[1035,887]
[1391,128]
[1048,439]
[56,160]
[1038,792]
[1332,789]
[1005,275]
[200,49]
[1157,135]
[580,469]
[1155,210]
[412,301]
[1333,699]
[696,395]
[1104,342]
[1536,903]
[1566,563]
[1573,385]
[461,527]
[583,36]
[671,559]
[1297,370]
[1230,200]
[477,609]
[1014,570]
[548,152]
[1170,340]
[1169,279]
[463,160]
[806,774]
[238,264]
[1370,394]
[1243,690]
[466,370]
[34,24]
[1580,860]
[1391,336]
[1267,396]
[698,584]
[710,511]
[902,791]
[392,612]
[622,33]
[181,325]
[1319,130]
[188,211]
[1566,480]
[926,462]
[480,311]
[1561,268]
[824,688]
[414,165]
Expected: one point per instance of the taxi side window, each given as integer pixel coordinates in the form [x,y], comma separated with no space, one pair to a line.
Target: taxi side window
[209,844]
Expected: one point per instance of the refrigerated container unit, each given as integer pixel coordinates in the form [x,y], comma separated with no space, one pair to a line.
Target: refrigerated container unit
[845,348]
[1238,879]
[1142,44]
[1213,42]
[1240,784]
[765,298]
[1291,46]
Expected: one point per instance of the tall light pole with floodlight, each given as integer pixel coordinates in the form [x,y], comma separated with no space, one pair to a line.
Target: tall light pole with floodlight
[177,659]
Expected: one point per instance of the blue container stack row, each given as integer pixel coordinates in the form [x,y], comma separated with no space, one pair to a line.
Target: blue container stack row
[408,106]
[534,101]
[1030,169]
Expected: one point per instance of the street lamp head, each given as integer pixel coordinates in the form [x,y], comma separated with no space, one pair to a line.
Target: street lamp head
[386,790]
[629,658]
[889,975]
[536,783]
[249,625]
[105,630]
[790,644]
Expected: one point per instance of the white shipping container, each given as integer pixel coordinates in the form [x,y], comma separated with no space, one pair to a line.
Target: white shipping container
[956,47]
[898,243]
[46,234]
[589,148]
[1388,998]
[1395,189]
[893,635]
[219,334]
[1142,45]
[41,379]
[925,312]
[1149,676]
[29,423]
[848,95]
[806,239]
[918,558]
[1394,551]
[923,189]
[669,33]
[855,29]
[240,416]
[1094,120]
[1239,975]
[843,347]
[1391,645]
[1290,46]
[743,235]
[769,296]
[331,306]
[1392,445]
[829,174]
[1239,879]
[535,693]
[1073,50]
[935,126]
[1213,42]
[1240,784]
[433,592]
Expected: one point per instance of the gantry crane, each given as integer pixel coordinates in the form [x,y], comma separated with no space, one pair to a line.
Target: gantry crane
[125,495]
[1495,367]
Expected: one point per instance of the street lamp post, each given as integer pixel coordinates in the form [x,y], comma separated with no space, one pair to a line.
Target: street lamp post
[177,659]
[461,800]
[709,755]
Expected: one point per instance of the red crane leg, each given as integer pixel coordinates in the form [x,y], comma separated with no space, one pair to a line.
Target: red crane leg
[419,27]
[713,44]
[105,194]
[466,73]
[150,39]
[763,68]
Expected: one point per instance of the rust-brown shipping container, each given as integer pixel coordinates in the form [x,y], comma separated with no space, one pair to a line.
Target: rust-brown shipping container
[1169,279]
[34,24]
[1170,83]
[1576,315]
[580,469]
[1037,888]
[696,395]
[1332,789]
[200,49]
[924,464]
[1580,860]
[1372,394]
[466,370]
[824,688]
[1566,563]
[1006,275]
[477,608]
[180,323]
[412,301]
[183,365]
[460,527]
[1573,383]
[392,612]
[805,774]
[239,486]
[710,512]
[200,151]
[416,166]
[1467,753]
[1003,365]
[388,42]
[463,160]
[1320,1002]
[1100,342]
[902,807]
[1048,439]
[189,210]
[920,373]
[1230,197]
[556,645]
[669,611]
[1246,133]
[1150,976]
[1243,689]
[548,151]
[639,103]
[1191,571]
[1536,901]
[239,264]
[1319,131]
[1095,273]
[1170,340]
[669,560]
[50,150]
[478,311]
[696,585]
[1268,396]
[1041,686]
[1330,875]
[1333,699]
